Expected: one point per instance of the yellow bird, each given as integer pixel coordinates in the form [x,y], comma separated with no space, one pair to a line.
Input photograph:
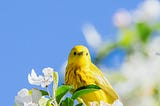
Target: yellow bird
[80,71]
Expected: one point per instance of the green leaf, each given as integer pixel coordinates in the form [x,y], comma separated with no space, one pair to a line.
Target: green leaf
[127,37]
[156,27]
[49,102]
[61,91]
[68,102]
[44,92]
[84,90]
[80,104]
[144,31]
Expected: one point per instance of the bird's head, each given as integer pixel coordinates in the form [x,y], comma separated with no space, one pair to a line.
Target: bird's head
[79,56]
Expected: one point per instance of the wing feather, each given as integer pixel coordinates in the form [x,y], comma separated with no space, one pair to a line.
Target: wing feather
[103,83]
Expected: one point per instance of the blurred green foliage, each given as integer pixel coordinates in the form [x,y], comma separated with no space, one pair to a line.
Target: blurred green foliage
[134,38]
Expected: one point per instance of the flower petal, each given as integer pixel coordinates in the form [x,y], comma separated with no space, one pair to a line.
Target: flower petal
[117,103]
[23,97]
[30,104]
[36,95]
[93,103]
[23,92]
[102,103]
[34,79]
[47,71]
[33,74]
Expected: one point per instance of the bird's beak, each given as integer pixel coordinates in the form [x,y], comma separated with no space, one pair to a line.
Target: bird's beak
[80,53]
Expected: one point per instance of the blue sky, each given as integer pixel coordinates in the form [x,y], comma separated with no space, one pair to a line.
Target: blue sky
[40,33]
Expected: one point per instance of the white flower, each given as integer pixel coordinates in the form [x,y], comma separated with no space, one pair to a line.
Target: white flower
[44,81]
[142,74]
[30,104]
[34,79]
[117,103]
[93,103]
[48,76]
[25,99]
[36,95]
[92,37]
[47,71]
[149,11]
[102,103]
[122,18]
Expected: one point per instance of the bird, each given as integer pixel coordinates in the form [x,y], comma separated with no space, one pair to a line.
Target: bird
[80,71]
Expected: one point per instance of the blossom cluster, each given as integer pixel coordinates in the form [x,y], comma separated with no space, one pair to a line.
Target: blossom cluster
[44,81]
[102,103]
[36,97]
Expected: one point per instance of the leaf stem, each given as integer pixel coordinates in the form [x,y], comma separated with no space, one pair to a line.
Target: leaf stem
[48,91]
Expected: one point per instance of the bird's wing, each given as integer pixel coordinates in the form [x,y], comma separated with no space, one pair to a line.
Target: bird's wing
[103,83]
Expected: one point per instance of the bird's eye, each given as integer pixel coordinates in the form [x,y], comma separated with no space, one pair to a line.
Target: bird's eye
[74,53]
[86,54]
